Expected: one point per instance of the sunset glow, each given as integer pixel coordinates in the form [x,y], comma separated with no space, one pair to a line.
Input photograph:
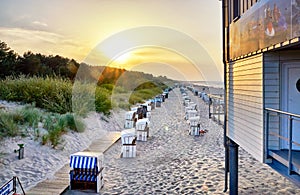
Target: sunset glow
[74,28]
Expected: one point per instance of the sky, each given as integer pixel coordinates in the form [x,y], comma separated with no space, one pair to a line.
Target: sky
[180,39]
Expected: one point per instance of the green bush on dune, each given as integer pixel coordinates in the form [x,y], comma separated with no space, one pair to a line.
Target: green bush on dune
[17,123]
[55,94]
[8,127]
[102,100]
[140,95]
[57,125]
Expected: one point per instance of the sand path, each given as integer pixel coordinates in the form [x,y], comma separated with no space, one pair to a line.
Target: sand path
[173,162]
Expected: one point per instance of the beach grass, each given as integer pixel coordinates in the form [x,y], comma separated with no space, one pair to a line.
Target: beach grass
[14,123]
[8,127]
[61,105]
[54,94]
[140,95]
[57,125]
[59,95]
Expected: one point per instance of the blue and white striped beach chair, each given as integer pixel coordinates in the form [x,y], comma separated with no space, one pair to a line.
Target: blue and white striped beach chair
[87,171]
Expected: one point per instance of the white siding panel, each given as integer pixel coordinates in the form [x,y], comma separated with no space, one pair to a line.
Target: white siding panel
[245,104]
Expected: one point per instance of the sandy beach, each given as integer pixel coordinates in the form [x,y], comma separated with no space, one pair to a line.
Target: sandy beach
[170,162]
[173,162]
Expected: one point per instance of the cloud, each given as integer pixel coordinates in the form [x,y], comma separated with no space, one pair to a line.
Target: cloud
[48,43]
[35,35]
[38,23]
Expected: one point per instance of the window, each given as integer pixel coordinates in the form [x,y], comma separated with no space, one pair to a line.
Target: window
[298,85]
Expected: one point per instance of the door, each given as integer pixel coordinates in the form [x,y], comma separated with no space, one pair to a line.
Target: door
[291,101]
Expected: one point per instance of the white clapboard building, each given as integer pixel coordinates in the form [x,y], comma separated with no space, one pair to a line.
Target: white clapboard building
[261,55]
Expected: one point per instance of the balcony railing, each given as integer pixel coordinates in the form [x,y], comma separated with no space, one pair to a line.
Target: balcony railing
[216,108]
[287,137]
[11,186]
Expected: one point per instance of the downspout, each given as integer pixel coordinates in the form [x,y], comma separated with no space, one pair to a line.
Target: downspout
[224,45]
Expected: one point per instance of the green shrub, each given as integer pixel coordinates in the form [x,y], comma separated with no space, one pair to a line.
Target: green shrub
[119,89]
[53,94]
[102,100]
[140,95]
[45,139]
[73,122]
[124,105]
[50,120]
[8,127]
[57,125]
[18,117]
[134,98]
[109,87]
[54,135]
[30,115]
[83,98]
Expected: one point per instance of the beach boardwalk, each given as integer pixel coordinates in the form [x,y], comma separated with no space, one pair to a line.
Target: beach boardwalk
[61,179]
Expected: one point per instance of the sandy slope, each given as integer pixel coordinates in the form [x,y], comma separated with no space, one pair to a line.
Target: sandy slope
[41,162]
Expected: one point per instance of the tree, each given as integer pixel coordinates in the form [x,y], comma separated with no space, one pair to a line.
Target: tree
[30,64]
[8,60]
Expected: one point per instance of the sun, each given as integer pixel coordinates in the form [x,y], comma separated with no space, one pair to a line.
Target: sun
[117,50]
[123,58]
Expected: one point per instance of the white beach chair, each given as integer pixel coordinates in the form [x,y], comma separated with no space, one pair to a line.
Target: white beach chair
[194,123]
[190,113]
[129,119]
[134,109]
[142,129]
[128,138]
[149,115]
[129,115]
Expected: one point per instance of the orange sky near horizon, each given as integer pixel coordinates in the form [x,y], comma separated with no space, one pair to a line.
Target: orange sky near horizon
[75,28]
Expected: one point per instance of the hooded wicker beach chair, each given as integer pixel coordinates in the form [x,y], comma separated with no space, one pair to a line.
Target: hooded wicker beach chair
[86,171]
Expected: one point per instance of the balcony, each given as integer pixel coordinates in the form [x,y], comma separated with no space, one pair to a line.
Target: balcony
[282,142]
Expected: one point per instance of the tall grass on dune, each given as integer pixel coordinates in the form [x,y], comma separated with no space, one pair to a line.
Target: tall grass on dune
[20,121]
[53,94]
[57,125]
[103,100]
[60,95]
[56,94]
[140,95]
[83,100]
[8,127]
